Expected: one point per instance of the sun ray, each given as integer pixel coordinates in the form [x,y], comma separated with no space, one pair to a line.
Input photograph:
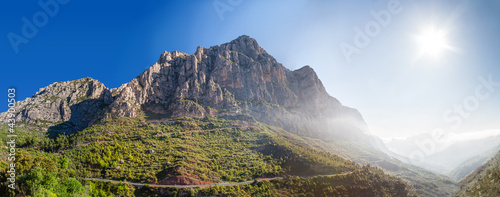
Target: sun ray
[432,42]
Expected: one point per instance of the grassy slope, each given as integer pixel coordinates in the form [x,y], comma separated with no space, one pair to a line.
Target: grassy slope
[483,181]
[426,183]
[209,149]
[470,165]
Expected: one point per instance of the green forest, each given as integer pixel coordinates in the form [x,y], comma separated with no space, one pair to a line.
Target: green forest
[209,150]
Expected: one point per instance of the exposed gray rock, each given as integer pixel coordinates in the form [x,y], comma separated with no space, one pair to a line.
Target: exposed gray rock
[235,77]
[76,103]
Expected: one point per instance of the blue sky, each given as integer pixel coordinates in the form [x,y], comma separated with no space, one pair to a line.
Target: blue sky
[398,92]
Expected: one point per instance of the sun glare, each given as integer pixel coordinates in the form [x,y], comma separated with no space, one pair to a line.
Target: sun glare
[431,42]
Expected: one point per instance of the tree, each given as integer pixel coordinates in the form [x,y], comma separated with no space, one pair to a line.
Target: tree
[123,190]
[73,186]
[50,182]
[34,180]
[65,163]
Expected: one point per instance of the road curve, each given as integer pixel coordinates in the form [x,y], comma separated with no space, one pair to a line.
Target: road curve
[205,185]
[183,186]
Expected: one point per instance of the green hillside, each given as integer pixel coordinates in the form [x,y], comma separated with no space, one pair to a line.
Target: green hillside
[426,183]
[470,165]
[483,181]
[187,151]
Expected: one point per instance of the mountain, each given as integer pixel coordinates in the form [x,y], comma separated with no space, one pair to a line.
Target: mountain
[442,157]
[159,127]
[234,77]
[426,183]
[71,105]
[470,165]
[483,181]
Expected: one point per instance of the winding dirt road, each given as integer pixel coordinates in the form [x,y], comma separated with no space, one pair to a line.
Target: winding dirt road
[206,185]
[183,186]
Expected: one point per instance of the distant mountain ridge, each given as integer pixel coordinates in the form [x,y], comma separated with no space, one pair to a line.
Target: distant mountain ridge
[443,158]
[470,165]
[483,181]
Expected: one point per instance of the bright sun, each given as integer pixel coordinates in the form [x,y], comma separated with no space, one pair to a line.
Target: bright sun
[431,42]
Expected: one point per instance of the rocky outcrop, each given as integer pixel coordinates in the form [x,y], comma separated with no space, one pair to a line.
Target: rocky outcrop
[77,104]
[235,77]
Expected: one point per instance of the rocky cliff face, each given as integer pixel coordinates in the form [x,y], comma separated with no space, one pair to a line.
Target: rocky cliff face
[75,104]
[236,77]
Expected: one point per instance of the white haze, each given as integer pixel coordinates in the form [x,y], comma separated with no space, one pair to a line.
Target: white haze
[398,94]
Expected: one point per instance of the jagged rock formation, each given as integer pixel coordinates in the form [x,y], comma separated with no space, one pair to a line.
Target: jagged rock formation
[75,104]
[236,77]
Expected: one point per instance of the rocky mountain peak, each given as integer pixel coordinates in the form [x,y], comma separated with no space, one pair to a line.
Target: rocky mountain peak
[74,91]
[306,69]
[76,103]
[231,78]
[235,77]
[168,56]
[307,79]
[244,45]
[308,73]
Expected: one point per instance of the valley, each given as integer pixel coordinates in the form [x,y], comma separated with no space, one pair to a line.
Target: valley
[228,120]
